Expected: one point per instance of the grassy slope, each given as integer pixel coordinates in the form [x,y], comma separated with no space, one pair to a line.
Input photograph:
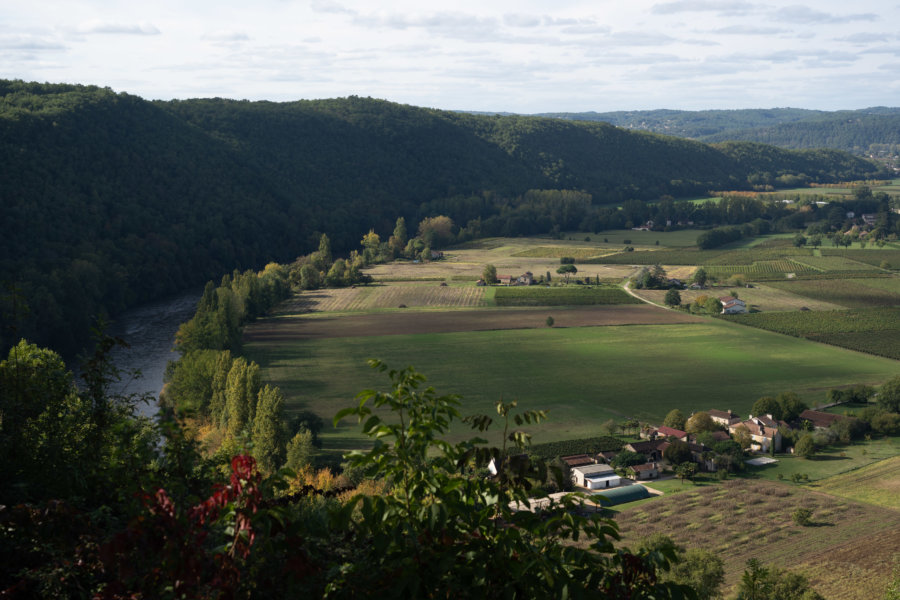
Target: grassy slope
[583,375]
[877,484]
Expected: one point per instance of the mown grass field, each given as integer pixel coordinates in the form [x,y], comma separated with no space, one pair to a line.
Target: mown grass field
[829,462]
[583,375]
[742,519]
[878,484]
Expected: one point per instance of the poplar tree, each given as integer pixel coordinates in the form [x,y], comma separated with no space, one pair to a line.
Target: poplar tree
[241,392]
[268,432]
[219,384]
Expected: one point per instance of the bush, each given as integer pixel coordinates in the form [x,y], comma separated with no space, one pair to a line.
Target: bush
[802,516]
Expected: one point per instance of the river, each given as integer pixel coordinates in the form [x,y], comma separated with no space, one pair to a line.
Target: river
[149,330]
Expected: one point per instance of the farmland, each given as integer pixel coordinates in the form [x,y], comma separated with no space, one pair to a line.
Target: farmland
[368,298]
[583,375]
[877,484]
[872,330]
[566,296]
[603,358]
[851,293]
[606,359]
[742,518]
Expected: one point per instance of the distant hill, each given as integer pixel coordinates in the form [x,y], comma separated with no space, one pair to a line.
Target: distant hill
[857,131]
[109,200]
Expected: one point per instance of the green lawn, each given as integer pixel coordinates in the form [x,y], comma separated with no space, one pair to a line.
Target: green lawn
[584,376]
[831,461]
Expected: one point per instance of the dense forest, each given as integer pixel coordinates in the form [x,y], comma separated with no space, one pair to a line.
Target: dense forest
[109,200]
[861,131]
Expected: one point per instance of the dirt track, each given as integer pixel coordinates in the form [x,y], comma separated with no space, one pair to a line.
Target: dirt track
[403,323]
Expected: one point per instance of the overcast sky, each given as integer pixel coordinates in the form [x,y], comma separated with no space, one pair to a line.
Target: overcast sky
[523,56]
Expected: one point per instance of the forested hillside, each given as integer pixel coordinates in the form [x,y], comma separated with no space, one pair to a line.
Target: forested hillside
[109,200]
[846,130]
[858,131]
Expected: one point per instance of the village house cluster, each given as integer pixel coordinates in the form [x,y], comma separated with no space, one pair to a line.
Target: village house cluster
[759,434]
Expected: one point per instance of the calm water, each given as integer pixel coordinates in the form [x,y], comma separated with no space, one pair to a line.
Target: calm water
[150,332]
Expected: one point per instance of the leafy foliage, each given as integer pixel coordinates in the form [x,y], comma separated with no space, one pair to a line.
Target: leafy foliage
[441,532]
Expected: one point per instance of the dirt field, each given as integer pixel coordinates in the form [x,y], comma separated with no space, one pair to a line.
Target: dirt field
[401,323]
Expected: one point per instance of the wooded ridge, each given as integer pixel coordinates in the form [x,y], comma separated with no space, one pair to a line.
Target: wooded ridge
[109,200]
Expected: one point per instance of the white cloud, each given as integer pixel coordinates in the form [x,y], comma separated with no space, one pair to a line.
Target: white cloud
[520,20]
[105,27]
[226,36]
[754,30]
[807,16]
[522,55]
[29,42]
[735,7]
[327,6]
[866,38]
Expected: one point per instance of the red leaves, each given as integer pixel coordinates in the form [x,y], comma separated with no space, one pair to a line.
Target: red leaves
[166,545]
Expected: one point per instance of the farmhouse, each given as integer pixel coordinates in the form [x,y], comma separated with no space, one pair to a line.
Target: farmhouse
[818,419]
[505,279]
[724,417]
[720,436]
[595,477]
[764,434]
[651,449]
[732,305]
[526,278]
[645,471]
[667,432]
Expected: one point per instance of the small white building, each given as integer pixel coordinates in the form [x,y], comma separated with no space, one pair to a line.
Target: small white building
[732,305]
[595,477]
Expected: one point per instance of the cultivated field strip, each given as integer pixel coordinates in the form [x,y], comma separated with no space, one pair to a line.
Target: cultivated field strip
[361,299]
[763,269]
[834,263]
[560,251]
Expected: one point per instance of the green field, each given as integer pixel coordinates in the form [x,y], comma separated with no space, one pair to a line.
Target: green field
[830,462]
[878,483]
[872,330]
[584,375]
[851,293]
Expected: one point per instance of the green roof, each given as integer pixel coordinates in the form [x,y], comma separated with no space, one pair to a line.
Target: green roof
[621,495]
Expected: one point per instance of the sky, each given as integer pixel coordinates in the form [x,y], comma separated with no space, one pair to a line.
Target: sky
[523,56]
